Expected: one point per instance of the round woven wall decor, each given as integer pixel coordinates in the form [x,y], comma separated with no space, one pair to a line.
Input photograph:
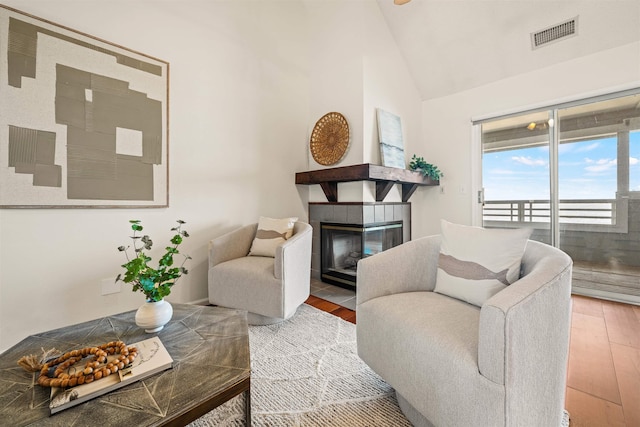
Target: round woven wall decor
[330,139]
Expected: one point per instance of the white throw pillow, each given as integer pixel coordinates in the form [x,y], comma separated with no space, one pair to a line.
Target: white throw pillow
[476,263]
[271,233]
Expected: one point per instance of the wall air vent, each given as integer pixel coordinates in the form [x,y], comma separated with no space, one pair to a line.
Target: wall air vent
[556,33]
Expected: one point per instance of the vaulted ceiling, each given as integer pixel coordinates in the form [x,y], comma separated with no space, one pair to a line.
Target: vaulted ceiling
[455,45]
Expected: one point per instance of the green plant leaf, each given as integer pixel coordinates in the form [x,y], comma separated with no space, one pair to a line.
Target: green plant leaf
[167,260]
[147,284]
[426,169]
[154,283]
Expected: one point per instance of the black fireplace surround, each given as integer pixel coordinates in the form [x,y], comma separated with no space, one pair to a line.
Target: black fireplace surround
[346,232]
[343,245]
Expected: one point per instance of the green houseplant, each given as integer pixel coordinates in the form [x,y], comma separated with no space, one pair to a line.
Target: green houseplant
[154,283]
[426,169]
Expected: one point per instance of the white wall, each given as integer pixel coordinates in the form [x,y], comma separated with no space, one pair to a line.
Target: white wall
[356,67]
[335,63]
[239,113]
[249,79]
[447,129]
[387,85]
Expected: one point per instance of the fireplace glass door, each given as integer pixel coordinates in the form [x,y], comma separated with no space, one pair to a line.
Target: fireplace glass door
[343,245]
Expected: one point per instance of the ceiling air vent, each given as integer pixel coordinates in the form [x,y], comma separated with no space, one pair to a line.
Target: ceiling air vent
[552,34]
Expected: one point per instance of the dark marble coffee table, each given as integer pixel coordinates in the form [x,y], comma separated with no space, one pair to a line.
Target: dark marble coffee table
[210,349]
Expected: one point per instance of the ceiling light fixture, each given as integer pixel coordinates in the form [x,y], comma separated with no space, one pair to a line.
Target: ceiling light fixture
[400,2]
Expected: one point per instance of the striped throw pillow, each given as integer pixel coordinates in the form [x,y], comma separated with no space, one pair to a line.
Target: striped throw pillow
[476,263]
[271,233]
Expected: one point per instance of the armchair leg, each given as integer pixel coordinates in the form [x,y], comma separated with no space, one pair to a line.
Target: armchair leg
[258,319]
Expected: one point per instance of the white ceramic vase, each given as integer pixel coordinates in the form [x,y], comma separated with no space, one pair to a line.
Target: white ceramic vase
[153,315]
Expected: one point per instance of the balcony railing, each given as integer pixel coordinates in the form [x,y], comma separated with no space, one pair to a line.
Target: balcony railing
[593,211]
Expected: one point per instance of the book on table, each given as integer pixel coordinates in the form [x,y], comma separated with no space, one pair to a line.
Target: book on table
[152,358]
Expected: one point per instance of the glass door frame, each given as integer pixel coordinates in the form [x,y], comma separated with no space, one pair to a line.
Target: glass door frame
[554,138]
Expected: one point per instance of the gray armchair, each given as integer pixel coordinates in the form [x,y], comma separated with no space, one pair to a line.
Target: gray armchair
[270,289]
[456,364]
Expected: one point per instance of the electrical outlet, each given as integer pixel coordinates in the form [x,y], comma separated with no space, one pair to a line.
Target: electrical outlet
[110,286]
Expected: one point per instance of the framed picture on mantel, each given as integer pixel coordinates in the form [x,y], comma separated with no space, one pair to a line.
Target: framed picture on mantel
[83,122]
[391,143]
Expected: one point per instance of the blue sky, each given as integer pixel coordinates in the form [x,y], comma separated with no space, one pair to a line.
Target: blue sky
[587,170]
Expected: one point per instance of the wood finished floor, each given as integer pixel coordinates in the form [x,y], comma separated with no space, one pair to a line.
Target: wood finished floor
[603,375]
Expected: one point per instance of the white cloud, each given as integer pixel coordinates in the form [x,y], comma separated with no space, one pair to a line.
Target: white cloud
[501,172]
[601,165]
[570,164]
[564,148]
[633,161]
[528,161]
[581,180]
[589,147]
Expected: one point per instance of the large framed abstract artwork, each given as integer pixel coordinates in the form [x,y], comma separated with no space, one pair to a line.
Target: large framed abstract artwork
[83,122]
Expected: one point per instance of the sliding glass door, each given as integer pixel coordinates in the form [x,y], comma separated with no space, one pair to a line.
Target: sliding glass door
[572,173]
[515,173]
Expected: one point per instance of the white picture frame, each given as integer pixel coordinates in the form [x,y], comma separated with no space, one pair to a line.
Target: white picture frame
[390,137]
[83,122]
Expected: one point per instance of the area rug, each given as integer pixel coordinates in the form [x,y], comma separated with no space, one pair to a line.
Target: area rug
[306,372]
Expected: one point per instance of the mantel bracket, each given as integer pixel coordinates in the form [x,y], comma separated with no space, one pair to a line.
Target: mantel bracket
[330,190]
[407,191]
[382,189]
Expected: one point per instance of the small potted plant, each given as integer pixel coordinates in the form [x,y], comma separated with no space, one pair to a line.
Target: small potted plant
[154,283]
[418,164]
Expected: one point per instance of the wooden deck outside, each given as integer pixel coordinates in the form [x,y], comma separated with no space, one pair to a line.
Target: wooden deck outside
[618,279]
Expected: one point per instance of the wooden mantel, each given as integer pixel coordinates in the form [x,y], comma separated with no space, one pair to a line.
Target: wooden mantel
[384,177]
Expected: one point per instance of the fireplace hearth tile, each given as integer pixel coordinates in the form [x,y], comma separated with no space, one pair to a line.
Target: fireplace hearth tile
[354,214]
[335,294]
[379,213]
[388,213]
[340,214]
[368,214]
[321,212]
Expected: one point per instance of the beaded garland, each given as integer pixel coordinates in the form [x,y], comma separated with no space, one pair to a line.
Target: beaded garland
[54,373]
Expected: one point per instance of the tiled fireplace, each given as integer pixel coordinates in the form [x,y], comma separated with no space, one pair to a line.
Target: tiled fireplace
[367,227]
[343,233]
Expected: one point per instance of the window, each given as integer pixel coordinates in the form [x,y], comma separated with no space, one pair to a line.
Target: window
[634,162]
[572,173]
